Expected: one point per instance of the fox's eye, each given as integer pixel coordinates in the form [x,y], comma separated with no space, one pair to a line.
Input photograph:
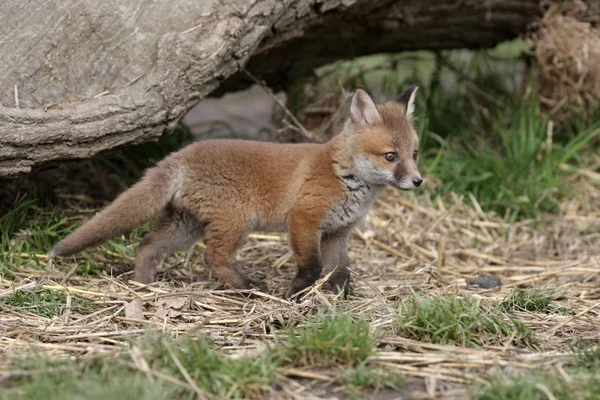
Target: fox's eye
[391,157]
[415,155]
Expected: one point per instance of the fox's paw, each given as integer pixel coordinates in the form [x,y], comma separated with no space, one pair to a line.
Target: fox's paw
[339,282]
[293,295]
[337,288]
[260,285]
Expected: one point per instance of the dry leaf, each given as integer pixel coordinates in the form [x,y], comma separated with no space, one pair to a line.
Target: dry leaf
[171,306]
[134,310]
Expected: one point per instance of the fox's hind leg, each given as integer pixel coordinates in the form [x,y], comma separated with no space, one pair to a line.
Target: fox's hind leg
[173,230]
[222,240]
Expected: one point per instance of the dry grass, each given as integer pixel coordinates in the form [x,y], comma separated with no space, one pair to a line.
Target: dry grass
[567,53]
[409,243]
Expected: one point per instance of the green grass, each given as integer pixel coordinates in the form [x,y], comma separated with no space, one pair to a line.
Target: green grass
[530,299]
[118,377]
[46,303]
[326,342]
[364,377]
[99,381]
[330,340]
[536,386]
[464,321]
[583,383]
[512,169]
[217,374]
[586,357]
[28,230]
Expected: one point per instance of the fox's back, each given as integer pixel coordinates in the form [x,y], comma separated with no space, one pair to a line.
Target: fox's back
[238,175]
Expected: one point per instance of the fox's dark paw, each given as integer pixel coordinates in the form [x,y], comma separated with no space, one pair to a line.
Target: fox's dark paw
[291,294]
[260,285]
[339,283]
[338,288]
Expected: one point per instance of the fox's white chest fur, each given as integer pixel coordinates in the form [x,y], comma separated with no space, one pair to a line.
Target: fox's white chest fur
[354,207]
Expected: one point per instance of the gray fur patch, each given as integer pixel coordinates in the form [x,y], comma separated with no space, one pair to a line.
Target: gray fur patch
[354,206]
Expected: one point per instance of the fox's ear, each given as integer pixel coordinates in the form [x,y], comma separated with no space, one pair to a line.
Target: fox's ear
[407,100]
[363,109]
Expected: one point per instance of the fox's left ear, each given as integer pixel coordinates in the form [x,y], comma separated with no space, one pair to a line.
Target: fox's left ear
[363,109]
[407,100]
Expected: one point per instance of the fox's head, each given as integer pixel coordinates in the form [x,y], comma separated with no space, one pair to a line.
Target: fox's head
[384,144]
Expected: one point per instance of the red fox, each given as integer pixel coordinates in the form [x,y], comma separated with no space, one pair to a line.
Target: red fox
[221,190]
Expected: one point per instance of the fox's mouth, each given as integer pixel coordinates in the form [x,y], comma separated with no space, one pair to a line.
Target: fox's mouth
[404,184]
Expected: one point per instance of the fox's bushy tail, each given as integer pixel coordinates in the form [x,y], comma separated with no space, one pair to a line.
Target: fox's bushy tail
[133,207]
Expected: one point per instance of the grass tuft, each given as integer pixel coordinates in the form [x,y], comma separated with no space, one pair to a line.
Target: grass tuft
[587,357]
[530,299]
[366,377]
[218,374]
[104,379]
[46,303]
[464,321]
[119,378]
[516,168]
[540,386]
[330,340]
[27,231]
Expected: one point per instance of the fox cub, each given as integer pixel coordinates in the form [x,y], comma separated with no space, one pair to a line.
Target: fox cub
[221,190]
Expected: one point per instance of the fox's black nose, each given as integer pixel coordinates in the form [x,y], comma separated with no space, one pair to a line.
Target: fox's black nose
[417,181]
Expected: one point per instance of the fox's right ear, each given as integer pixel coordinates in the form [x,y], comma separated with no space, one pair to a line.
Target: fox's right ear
[407,100]
[363,109]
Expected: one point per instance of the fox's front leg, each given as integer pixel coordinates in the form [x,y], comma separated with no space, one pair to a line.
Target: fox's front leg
[305,238]
[334,250]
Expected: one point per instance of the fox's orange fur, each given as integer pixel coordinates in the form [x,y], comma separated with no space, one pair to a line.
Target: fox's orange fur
[221,190]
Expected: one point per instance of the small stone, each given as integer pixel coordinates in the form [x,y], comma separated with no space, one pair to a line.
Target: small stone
[485,281]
